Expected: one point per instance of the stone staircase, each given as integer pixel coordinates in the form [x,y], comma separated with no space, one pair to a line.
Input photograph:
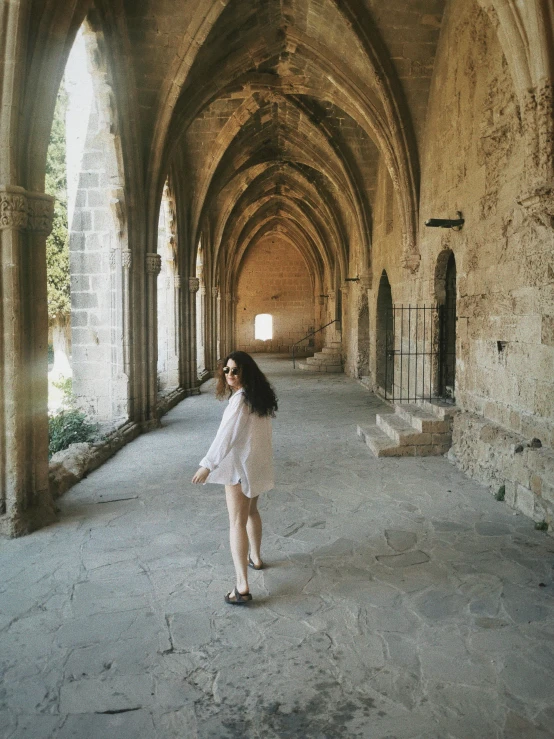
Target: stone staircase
[329,359]
[417,430]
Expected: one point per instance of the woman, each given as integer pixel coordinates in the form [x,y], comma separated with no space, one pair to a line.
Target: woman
[241,458]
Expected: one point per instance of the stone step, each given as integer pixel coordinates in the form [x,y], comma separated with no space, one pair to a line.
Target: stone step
[422,420]
[331,350]
[324,362]
[403,433]
[382,446]
[398,430]
[329,368]
[333,358]
[440,408]
[379,443]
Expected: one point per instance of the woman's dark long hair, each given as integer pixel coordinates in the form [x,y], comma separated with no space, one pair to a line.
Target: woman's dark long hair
[258,393]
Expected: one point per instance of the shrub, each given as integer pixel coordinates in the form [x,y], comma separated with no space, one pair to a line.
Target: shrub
[65,384]
[68,427]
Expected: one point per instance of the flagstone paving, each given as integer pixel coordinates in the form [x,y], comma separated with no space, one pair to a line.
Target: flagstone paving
[400,600]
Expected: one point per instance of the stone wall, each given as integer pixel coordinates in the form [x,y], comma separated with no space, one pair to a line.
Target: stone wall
[274,279]
[473,162]
[98,261]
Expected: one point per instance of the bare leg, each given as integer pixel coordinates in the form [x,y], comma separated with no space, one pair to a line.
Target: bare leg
[254,530]
[238,506]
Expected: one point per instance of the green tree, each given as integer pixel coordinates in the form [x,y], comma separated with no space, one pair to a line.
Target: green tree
[57,244]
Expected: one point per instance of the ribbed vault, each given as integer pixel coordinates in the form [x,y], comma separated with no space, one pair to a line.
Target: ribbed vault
[271,118]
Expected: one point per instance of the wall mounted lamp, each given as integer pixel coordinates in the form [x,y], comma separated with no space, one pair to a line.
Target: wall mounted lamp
[454,223]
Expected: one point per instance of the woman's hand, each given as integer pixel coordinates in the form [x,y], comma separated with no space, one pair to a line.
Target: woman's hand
[200,475]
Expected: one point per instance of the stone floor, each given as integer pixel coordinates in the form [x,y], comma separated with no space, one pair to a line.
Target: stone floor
[400,599]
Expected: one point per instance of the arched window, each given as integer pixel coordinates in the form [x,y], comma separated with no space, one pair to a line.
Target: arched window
[263,326]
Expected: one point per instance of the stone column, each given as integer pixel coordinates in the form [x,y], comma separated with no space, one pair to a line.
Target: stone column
[192,383]
[216,326]
[25,222]
[177,322]
[227,325]
[126,263]
[153,268]
[203,364]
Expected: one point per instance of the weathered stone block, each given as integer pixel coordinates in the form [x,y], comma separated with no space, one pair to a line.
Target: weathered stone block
[525,501]
[85,300]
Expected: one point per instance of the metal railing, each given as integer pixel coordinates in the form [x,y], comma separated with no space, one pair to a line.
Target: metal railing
[418,358]
[312,333]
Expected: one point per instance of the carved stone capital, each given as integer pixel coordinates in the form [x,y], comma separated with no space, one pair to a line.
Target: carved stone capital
[41,213]
[126,258]
[13,209]
[153,263]
[24,211]
[194,284]
[539,205]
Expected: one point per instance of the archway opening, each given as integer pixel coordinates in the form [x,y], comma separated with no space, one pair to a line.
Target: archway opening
[200,316]
[87,253]
[274,280]
[168,297]
[384,337]
[446,295]
[362,365]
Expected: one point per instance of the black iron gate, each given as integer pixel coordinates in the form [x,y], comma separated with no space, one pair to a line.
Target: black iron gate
[420,352]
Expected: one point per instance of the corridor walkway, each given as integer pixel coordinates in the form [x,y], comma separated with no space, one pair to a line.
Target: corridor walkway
[400,599]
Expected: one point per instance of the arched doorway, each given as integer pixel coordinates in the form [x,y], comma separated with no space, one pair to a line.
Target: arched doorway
[446,299]
[362,365]
[384,337]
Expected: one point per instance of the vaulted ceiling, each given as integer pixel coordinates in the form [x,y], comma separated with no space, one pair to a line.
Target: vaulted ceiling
[277,114]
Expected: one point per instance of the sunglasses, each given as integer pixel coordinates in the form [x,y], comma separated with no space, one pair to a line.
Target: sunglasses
[233,370]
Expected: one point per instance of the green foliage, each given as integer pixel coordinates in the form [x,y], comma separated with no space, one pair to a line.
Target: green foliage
[57,244]
[541,526]
[68,427]
[501,494]
[65,384]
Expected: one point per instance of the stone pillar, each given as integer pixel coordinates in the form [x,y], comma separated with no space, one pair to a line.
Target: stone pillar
[216,327]
[201,360]
[153,268]
[192,374]
[126,263]
[25,222]
[227,325]
[177,323]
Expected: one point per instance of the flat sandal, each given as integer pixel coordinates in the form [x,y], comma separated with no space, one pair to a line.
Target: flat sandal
[234,598]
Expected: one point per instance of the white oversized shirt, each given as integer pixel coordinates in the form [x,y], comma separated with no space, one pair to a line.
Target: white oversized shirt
[242,449]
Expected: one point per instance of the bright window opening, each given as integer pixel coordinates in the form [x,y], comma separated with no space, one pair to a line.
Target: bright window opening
[263,327]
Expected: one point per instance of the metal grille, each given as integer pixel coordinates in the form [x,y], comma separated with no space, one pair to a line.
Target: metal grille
[419,353]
